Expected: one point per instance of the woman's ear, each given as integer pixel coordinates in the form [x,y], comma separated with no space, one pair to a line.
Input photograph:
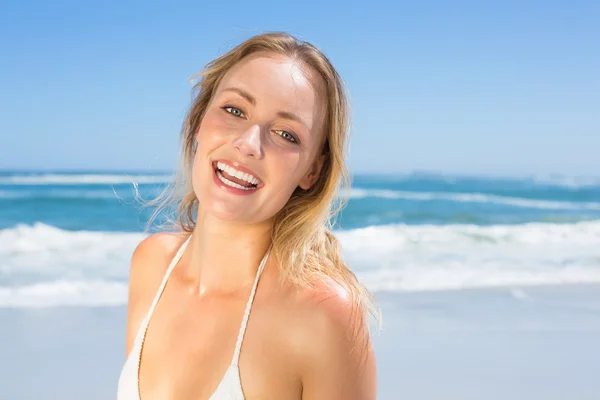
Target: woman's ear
[313,173]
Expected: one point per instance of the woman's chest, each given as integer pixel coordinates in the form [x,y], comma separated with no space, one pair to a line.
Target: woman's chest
[189,348]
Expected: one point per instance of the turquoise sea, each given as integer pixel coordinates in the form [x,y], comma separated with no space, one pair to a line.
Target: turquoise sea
[66,237]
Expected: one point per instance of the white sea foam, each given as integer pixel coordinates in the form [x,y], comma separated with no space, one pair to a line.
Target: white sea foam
[429,257]
[43,266]
[64,293]
[82,179]
[358,193]
[571,182]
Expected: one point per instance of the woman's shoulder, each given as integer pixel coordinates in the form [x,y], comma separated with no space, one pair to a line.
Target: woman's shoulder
[160,244]
[152,256]
[329,332]
[149,263]
[326,304]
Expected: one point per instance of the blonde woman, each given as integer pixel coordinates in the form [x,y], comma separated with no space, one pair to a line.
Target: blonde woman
[251,299]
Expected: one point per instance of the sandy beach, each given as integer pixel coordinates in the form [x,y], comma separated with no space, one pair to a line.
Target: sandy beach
[467,132]
[504,343]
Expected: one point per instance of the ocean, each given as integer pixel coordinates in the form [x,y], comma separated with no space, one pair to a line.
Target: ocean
[67,238]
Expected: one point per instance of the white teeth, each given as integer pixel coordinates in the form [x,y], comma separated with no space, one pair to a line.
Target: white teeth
[232,184]
[238,174]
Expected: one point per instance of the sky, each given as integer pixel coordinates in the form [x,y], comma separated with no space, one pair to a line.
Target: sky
[477,87]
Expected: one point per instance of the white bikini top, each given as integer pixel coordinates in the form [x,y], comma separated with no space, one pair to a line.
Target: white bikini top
[230,387]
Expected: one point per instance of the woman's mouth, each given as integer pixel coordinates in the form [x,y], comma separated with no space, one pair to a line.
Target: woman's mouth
[234,178]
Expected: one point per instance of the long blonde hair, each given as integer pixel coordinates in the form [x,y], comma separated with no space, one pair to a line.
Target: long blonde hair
[302,239]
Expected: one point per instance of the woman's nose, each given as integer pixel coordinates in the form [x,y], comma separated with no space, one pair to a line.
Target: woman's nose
[249,142]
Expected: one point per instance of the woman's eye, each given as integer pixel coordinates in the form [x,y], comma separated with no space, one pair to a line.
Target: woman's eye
[234,111]
[287,136]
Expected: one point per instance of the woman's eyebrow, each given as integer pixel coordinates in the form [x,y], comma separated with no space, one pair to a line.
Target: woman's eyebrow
[292,116]
[252,100]
[242,93]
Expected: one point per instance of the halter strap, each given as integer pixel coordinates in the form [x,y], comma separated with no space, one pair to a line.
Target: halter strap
[161,288]
[238,345]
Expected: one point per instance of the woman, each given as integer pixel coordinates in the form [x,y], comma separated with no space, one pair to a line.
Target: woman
[263,158]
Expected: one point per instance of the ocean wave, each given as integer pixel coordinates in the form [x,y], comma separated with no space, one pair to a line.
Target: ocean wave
[64,194]
[358,193]
[82,179]
[77,178]
[431,257]
[354,193]
[43,266]
[570,182]
[64,293]
[443,277]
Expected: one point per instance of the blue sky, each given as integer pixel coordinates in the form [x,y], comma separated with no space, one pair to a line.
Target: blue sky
[509,88]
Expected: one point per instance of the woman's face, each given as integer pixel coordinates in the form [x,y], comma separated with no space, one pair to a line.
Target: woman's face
[259,140]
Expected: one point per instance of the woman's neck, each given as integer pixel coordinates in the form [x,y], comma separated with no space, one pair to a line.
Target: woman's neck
[224,256]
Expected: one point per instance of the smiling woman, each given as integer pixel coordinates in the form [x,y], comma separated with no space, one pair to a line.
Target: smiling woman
[263,159]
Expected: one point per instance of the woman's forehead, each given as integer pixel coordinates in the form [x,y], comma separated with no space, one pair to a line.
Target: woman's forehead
[266,72]
[280,81]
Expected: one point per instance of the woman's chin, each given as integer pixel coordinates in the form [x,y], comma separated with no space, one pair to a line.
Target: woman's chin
[223,211]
